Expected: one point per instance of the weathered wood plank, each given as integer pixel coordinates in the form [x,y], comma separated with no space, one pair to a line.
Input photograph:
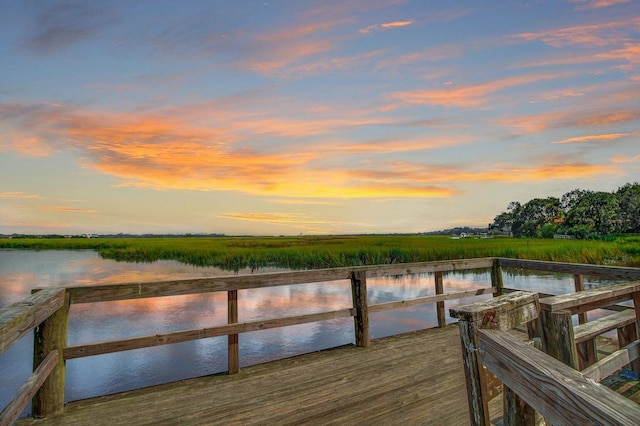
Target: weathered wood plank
[561,394]
[504,312]
[20,318]
[124,291]
[183,336]
[613,362]
[379,307]
[610,272]
[557,337]
[13,410]
[591,298]
[596,327]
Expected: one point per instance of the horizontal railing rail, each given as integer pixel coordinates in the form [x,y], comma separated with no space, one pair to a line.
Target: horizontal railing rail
[111,292]
[600,271]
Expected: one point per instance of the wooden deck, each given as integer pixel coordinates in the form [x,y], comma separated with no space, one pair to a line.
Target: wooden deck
[415,378]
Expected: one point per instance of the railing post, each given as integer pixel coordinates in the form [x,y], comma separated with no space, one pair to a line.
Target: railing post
[496,277]
[232,318]
[51,335]
[501,313]
[361,319]
[557,336]
[586,350]
[442,319]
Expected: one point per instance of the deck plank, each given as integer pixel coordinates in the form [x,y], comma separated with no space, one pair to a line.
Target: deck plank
[414,378]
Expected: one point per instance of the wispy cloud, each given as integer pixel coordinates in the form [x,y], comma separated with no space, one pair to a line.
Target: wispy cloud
[20,195]
[465,96]
[594,138]
[563,119]
[386,26]
[602,34]
[64,209]
[596,4]
[625,159]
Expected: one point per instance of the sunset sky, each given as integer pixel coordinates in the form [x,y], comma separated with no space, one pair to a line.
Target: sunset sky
[316,117]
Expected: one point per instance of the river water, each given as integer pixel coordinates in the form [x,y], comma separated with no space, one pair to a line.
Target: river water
[20,271]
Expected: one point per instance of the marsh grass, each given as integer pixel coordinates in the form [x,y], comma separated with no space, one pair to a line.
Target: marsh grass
[313,252]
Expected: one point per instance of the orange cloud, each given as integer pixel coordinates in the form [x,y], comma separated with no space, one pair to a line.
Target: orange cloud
[594,138]
[465,96]
[625,159]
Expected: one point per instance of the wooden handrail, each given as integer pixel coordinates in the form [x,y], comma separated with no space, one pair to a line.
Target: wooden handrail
[608,272]
[559,393]
[20,318]
[125,291]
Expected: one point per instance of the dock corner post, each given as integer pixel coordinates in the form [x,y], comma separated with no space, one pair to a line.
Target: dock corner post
[557,337]
[496,277]
[442,319]
[361,318]
[51,335]
[232,318]
[474,374]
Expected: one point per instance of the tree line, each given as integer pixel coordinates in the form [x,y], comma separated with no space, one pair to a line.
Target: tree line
[579,213]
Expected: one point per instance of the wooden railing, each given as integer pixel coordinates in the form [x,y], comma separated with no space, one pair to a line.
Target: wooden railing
[51,319]
[48,312]
[547,382]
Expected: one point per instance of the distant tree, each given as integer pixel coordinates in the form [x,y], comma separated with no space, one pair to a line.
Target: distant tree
[571,198]
[595,212]
[583,213]
[629,204]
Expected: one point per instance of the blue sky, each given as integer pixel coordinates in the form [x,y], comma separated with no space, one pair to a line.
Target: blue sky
[313,117]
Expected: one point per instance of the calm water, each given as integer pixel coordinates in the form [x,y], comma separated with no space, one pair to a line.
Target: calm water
[20,271]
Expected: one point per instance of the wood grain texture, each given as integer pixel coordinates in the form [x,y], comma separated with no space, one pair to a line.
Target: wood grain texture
[504,312]
[560,393]
[20,318]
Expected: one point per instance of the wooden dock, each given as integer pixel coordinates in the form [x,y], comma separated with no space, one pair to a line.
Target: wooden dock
[414,378]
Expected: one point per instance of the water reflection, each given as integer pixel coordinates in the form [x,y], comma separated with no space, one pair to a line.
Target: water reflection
[20,271]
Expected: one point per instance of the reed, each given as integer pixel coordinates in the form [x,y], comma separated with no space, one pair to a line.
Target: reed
[313,252]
